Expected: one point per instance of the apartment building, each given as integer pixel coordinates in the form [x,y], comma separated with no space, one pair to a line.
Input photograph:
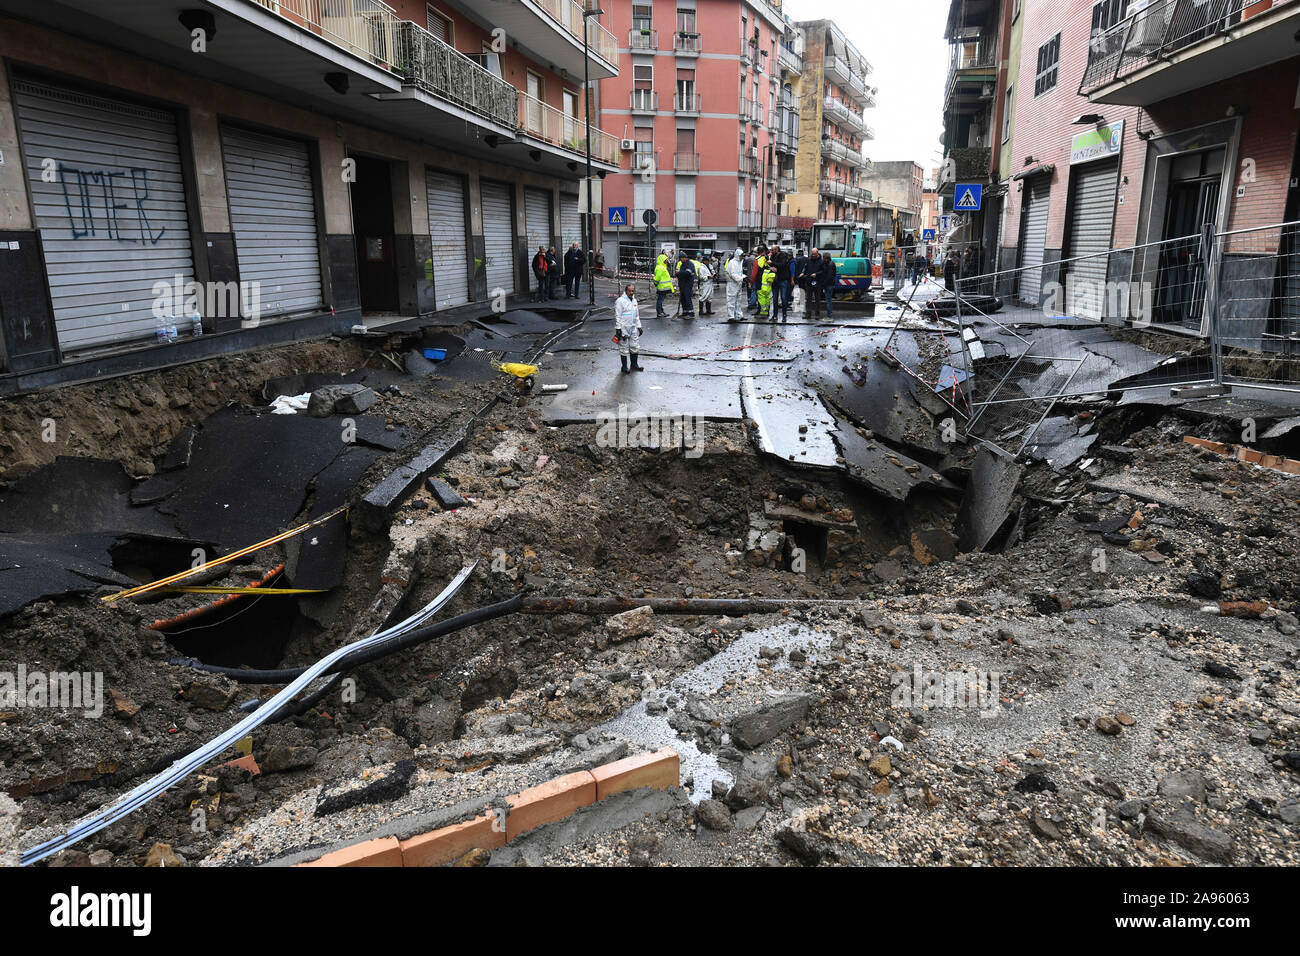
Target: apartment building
[832,96]
[899,184]
[694,105]
[296,164]
[1140,123]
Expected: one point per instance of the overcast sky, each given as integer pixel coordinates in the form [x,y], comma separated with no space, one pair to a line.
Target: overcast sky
[903,42]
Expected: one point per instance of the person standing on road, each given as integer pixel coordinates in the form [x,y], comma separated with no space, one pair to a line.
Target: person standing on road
[627,327]
[950,272]
[798,295]
[781,284]
[539,273]
[735,285]
[663,285]
[552,272]
[704,272]
[756,276]
[686,283]
[573,263]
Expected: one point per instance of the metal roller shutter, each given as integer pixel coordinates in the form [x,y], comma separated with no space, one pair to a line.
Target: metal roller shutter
[1033,237]
[113,222]
[570,222]
[498,236]
[537,218]
[1092,213]
[273,215]
[446,199]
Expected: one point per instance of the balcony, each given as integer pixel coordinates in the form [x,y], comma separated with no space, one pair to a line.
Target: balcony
[686,163]
[842,153]
[686,44]
[686,103]
[543,121]
[438,69]
[839,72]
[749,166]
[785,140]
[751,111]
[788,60]
[787,184]
[970,164]
[686,218]
[550,29]
[972,64]
[643,101]
[638,216]
[1173,47]
[642,39]
[843,115]
[748,219]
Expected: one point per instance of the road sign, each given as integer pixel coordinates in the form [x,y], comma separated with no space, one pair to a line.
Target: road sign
[649,217]
[943,223]
[927,235]
[618,215]
[968,197]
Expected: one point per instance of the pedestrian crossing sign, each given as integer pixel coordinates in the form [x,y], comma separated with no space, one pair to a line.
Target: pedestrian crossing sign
[968,196]
[618,215]
[927,235]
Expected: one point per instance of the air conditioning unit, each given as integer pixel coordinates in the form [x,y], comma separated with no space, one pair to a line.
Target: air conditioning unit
[753,152]
[627,144]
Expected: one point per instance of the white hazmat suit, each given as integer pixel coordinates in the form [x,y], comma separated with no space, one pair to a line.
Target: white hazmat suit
[735,283]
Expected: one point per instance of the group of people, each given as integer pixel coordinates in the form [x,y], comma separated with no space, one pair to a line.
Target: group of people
[764,282]
[548,270]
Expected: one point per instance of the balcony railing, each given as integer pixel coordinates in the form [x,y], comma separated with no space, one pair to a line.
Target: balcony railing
[686,162]
[1154,33]
[787,59]
[643,101]
[638,216]
[687,44]
[751,111]
[837,70]
[842,114]
[686,102]
[642,39]
[689,218]
[365,28]
[568,14]
[545,122]
[785,140]
[748,218]
[749,166]
[444,72]
[787,184]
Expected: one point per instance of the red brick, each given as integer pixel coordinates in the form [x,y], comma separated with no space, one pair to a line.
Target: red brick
[384,851]
[658,770]
[550,801]
[450,843]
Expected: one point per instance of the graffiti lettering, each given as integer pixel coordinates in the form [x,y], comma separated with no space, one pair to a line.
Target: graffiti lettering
[95,200]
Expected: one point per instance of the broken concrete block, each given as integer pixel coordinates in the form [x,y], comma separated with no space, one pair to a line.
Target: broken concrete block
[987,504]
[444,494]
[630,625]
[774,716]
[342,399]
[1184,829]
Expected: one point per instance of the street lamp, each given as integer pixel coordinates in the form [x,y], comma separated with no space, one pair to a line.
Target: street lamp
[586,112]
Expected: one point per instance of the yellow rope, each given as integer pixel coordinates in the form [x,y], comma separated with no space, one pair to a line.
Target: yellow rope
[181,576]
[248,590]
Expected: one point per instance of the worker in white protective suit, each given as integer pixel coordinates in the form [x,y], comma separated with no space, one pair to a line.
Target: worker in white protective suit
[627,327]
[735,284]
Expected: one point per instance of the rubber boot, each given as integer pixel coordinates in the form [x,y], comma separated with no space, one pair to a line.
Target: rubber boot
[635,365]
[623,359]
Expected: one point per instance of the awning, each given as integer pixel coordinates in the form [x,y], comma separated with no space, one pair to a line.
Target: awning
[1042,169]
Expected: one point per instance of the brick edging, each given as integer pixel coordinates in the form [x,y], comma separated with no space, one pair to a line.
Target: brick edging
[545,803]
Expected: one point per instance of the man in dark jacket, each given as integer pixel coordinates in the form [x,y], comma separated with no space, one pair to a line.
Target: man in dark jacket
[950,272]
[781,287]
[686,283]
[552,272]
[539,273]
[574,260]
[814,281]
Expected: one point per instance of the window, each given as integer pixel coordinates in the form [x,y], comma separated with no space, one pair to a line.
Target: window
[1106,14]
[1006,115]
[686,21]
[440,26]
[641,16]
[1049,57]
[645,148]
[643,76]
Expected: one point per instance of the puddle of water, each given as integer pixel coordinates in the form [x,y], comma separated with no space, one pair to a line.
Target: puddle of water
[737,661]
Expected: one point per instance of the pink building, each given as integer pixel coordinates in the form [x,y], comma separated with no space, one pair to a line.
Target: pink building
[694,104]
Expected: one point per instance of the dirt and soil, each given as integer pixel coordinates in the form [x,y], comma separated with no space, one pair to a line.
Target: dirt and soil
[1117,720]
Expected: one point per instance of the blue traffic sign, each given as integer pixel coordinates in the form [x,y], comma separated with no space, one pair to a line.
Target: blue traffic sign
[617,215]
[927,235]
[968,197]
